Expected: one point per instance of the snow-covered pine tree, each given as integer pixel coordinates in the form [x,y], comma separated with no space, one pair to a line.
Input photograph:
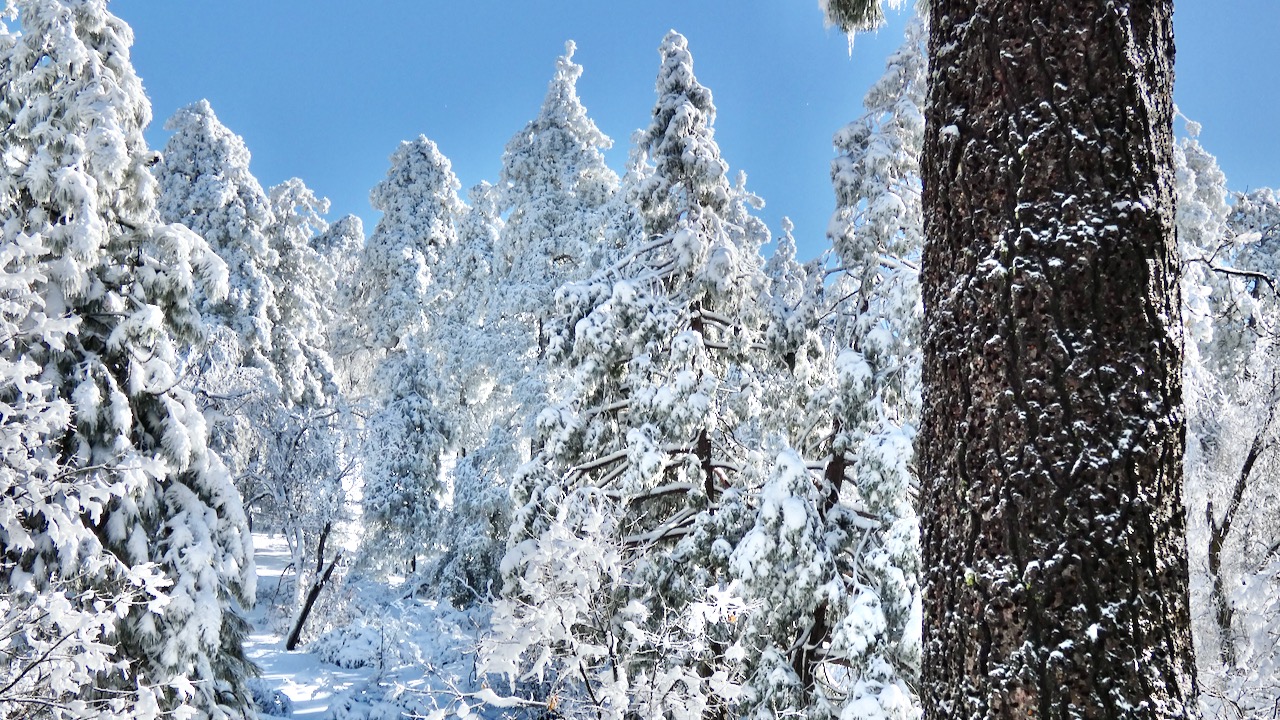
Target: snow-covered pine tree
[555,193]
[880,246]
[205,184]
[77,194]
[832,561]
[795,391]
[560,200]
[791,300]
[408,430]
[419,204]
[617,591]
[476,401]
[465,324]
[305,285]
[61,592]
[342,246]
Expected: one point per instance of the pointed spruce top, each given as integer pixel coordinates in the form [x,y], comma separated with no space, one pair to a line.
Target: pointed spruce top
[205,169]
[419,196]
[688,174]
[561,146]
[677,83]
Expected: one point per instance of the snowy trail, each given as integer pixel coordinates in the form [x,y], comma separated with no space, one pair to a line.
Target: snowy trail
[309,683]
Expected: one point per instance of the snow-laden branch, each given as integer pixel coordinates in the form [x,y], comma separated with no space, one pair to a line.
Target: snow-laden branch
[1263,278]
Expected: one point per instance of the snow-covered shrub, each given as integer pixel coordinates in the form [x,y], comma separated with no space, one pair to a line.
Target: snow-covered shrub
[424,653]
[269,701]
[363,643]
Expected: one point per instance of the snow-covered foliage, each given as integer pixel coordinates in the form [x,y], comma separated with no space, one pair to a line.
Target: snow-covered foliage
[206,185]
[854,15]
[832,559]
[61,593]
[120,496]
[1232,378]
[558,198]
[407,433]
[631,508]
[560,204]
[1255,217]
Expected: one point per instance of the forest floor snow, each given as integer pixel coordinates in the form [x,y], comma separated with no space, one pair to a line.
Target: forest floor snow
[308,682]
[389,657]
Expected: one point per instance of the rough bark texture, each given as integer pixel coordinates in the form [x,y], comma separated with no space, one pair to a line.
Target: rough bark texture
[1052,438]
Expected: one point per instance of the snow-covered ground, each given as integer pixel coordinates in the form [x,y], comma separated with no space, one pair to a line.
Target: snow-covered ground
[309,683]
[395,657]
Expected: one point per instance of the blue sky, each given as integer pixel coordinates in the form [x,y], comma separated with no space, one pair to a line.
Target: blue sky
[325,90]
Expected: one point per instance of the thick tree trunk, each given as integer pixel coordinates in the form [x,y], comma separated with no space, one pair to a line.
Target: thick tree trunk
[1053,530]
